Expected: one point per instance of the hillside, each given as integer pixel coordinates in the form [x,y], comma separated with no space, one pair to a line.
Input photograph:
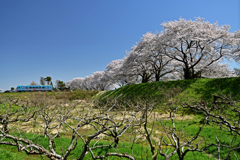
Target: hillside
[186,90]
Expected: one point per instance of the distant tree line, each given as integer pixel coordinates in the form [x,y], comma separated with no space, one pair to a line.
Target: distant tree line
[60,85]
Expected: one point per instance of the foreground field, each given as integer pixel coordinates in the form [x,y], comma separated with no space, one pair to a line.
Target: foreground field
[46,126]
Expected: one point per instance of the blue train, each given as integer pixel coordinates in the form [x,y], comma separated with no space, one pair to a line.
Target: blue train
[34,88]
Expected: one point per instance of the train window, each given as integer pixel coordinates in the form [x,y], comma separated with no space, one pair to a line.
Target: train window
[30,87]
[43,87]
[26,87]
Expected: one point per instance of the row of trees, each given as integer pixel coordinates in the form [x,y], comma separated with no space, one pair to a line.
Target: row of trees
[185,49]
[99,80]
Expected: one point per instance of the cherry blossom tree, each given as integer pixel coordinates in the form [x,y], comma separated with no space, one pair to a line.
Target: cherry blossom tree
[100,81]
[236,47]
[137,65]
[153,55]
[143,63]
[119,73]
[217,70]
[97,81]
[196,44]
[114,73]
[75,83]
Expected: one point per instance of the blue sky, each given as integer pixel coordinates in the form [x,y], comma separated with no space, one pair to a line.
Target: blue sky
[68,39]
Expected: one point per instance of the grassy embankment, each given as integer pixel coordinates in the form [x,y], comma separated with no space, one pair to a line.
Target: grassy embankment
[189,90]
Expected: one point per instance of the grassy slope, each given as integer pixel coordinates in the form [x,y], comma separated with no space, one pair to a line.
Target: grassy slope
[190,89]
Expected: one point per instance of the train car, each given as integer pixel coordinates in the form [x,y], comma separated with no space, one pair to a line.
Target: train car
[34,88]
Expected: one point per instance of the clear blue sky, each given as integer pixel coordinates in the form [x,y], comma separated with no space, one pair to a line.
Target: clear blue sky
[68,39]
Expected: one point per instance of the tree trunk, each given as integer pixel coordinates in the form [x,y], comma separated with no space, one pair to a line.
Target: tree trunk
[84,151]
[116,140]
[179,154]
[5,128]
[157,77]
[187,73]
[144,79]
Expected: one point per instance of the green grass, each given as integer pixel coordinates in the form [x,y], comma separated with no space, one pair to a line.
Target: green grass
[70,95]
[4,107]
[11,153]
[189,128]
[140,151]
[73,95]
[191,90]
